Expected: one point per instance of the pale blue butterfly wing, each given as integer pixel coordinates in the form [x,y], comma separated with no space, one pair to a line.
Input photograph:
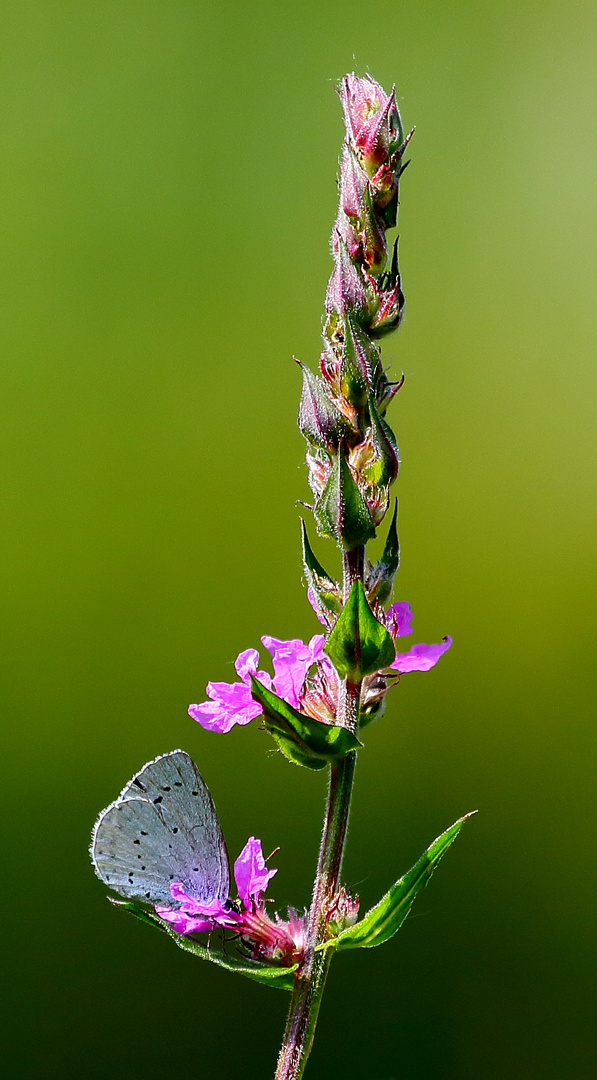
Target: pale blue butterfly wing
[162,828]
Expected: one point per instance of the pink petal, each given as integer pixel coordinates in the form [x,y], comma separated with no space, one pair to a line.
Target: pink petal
[420,657]
[183,923]
[246,664]
[292,660]
[212,912]
[251,873]
[398,619]
[231,703]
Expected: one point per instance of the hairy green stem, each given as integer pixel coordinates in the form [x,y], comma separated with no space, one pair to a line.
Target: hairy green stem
[310,978]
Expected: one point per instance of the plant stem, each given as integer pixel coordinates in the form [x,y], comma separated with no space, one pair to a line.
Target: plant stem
[310,978]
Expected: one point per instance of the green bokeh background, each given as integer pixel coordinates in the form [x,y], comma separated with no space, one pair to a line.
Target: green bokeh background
[168,188]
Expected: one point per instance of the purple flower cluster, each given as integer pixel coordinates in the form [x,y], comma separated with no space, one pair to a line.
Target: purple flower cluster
[314,694]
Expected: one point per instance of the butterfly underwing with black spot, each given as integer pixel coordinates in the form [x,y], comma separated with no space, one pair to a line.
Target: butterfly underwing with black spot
[162,828]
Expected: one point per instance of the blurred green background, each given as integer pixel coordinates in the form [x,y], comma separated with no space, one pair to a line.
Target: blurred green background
[168,189]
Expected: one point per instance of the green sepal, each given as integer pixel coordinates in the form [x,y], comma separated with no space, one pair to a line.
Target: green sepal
[319,421]
[386,918]
[326,589]
[380,579]
[359,644]
[384,470]
[304,740]
[355,370]
[360,351]
[341,512]
[353,385]
[279,978]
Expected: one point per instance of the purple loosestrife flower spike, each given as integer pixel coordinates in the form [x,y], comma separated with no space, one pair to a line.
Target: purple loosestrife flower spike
[160,844]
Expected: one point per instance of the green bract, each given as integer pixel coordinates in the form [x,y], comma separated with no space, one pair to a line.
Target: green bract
[326,589]
[359,644]
[304,740]
[341,512]
[382,922]
[385,469]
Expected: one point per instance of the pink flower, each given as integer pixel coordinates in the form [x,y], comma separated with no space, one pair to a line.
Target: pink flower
[231,703]
[268,939]
[398,619]
[314,692]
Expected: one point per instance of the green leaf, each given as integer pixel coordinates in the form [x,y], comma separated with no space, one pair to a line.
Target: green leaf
[304,740]
[341,512]
[359,644]
[325,588]
[380,580]
[280,978]
[382,922]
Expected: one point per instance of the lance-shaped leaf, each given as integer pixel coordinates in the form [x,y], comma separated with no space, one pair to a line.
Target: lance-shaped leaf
[304,740]
[341,512]
[327,591]
[319,421]
[359,644]
[278,977]
[380,580]
[382,922]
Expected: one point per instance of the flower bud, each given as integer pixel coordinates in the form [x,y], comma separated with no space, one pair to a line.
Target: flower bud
[345,290]
[372,120]
[341,512]
[319,420]
[343,910]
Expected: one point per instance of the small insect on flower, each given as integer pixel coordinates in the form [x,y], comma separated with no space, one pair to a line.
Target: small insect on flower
[161,843]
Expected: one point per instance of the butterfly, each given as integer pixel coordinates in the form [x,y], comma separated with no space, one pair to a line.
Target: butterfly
[162,828]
